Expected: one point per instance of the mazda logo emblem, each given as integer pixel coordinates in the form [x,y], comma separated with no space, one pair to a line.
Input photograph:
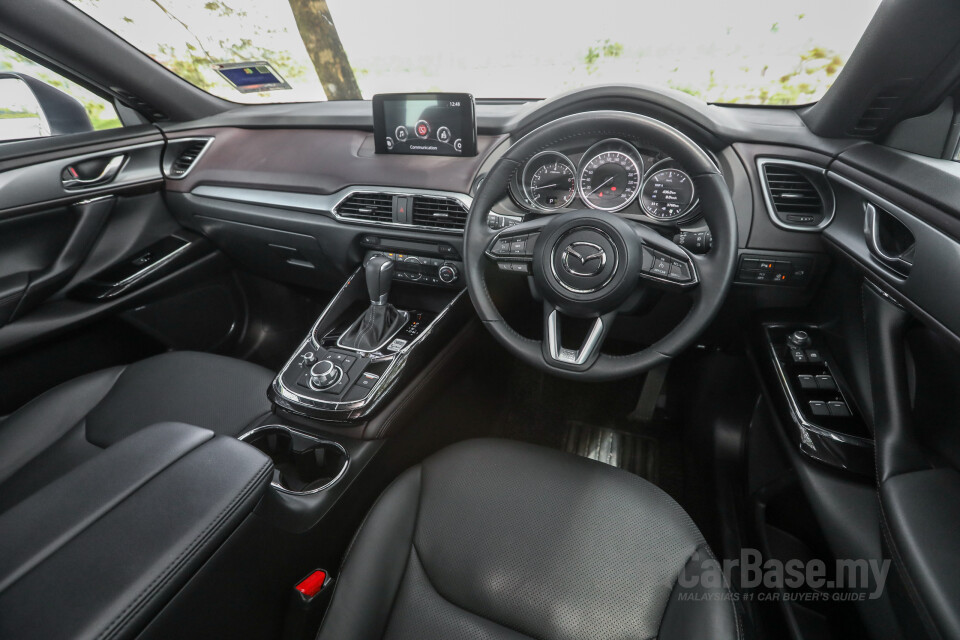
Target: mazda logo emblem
[583,259]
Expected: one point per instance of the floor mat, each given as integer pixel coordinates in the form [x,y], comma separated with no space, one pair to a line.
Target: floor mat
[628,451]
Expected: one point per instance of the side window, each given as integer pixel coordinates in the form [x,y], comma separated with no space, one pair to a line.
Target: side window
[36,102]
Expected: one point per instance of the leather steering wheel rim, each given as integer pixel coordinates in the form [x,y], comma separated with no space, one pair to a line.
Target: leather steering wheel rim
[715,268]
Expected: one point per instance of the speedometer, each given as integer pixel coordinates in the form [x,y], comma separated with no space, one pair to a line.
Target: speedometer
[610,175]
[549,180]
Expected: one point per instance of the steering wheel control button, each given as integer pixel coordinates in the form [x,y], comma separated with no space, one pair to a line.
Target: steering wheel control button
[514,267]
[666,267]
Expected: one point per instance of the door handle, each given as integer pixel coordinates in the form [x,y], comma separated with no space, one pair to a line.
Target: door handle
[108,173]
[871,231]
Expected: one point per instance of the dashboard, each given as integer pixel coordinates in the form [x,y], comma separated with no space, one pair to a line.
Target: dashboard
[609,174]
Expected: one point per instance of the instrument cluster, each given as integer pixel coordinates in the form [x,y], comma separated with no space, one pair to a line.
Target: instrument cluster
[611,175]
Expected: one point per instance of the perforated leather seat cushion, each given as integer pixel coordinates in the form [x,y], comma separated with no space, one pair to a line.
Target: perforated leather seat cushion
[497,539]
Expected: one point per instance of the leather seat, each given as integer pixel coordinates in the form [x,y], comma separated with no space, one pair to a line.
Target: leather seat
[494,540]
[75,421]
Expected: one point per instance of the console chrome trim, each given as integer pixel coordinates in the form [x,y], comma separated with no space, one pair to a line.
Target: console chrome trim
[327,204]
[771,211]
[296,402]
[276,485]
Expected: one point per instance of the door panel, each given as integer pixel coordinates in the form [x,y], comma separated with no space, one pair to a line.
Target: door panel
[68,215]
[898,226]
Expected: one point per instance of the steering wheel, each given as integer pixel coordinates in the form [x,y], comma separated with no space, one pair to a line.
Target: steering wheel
[587,263]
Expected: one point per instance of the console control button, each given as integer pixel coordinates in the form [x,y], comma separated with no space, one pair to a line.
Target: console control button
[838,409]
[807,382]
[826,383]
[814,356]
[819,408]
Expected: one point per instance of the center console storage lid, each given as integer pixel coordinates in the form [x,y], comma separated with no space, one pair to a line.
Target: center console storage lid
[99,551]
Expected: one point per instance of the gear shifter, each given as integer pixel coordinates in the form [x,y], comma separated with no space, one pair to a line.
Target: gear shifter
[381,320]
[379,272]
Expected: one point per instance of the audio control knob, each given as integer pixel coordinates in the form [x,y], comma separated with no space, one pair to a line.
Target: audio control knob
[324,374]
[448,273]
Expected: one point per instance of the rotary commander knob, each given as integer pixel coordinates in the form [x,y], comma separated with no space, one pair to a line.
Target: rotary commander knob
[324,374]
[448,274]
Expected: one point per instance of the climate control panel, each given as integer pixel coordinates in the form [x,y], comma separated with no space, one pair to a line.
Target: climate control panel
[439,272]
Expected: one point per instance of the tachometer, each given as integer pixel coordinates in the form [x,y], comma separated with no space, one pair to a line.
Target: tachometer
[667,194]
[610,175]
[549,180]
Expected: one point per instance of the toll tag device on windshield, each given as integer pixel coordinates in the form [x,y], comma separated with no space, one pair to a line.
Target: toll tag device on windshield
[251,77]
[430,124]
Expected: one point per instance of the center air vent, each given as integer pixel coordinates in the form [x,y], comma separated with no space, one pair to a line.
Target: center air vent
[400,209]
[797,195]
[185,154]
[369,207]
[439,213]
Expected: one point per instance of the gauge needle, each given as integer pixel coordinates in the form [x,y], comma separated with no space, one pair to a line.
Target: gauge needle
[546,186]
[601,186]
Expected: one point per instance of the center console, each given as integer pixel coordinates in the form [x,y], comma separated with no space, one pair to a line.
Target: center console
[372,337]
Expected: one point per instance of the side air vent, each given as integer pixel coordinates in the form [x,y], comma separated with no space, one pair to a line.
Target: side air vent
[182,155]
[368,207]
[797,195]
[439,213]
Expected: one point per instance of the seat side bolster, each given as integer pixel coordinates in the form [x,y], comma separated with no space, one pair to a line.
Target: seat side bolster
[701,605]
[31,429]
[375,563]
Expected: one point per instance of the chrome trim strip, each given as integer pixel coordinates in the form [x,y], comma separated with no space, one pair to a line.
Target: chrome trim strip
[276,485]
[765,189]
[209,140]
[127,282]
[327,204]
[871,232]
[579,357]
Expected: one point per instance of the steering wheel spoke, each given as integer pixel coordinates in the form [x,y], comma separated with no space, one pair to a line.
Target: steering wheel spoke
[564,357]
[513,248]
[664,264]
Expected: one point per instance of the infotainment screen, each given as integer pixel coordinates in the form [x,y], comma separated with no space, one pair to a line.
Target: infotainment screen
[433,124]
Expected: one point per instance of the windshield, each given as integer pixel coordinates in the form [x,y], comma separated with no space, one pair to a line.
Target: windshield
[775,52]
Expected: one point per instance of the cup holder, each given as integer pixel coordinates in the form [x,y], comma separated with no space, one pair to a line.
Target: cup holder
[303,463]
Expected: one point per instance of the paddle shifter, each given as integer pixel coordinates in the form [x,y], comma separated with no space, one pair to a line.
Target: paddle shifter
[381,321]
